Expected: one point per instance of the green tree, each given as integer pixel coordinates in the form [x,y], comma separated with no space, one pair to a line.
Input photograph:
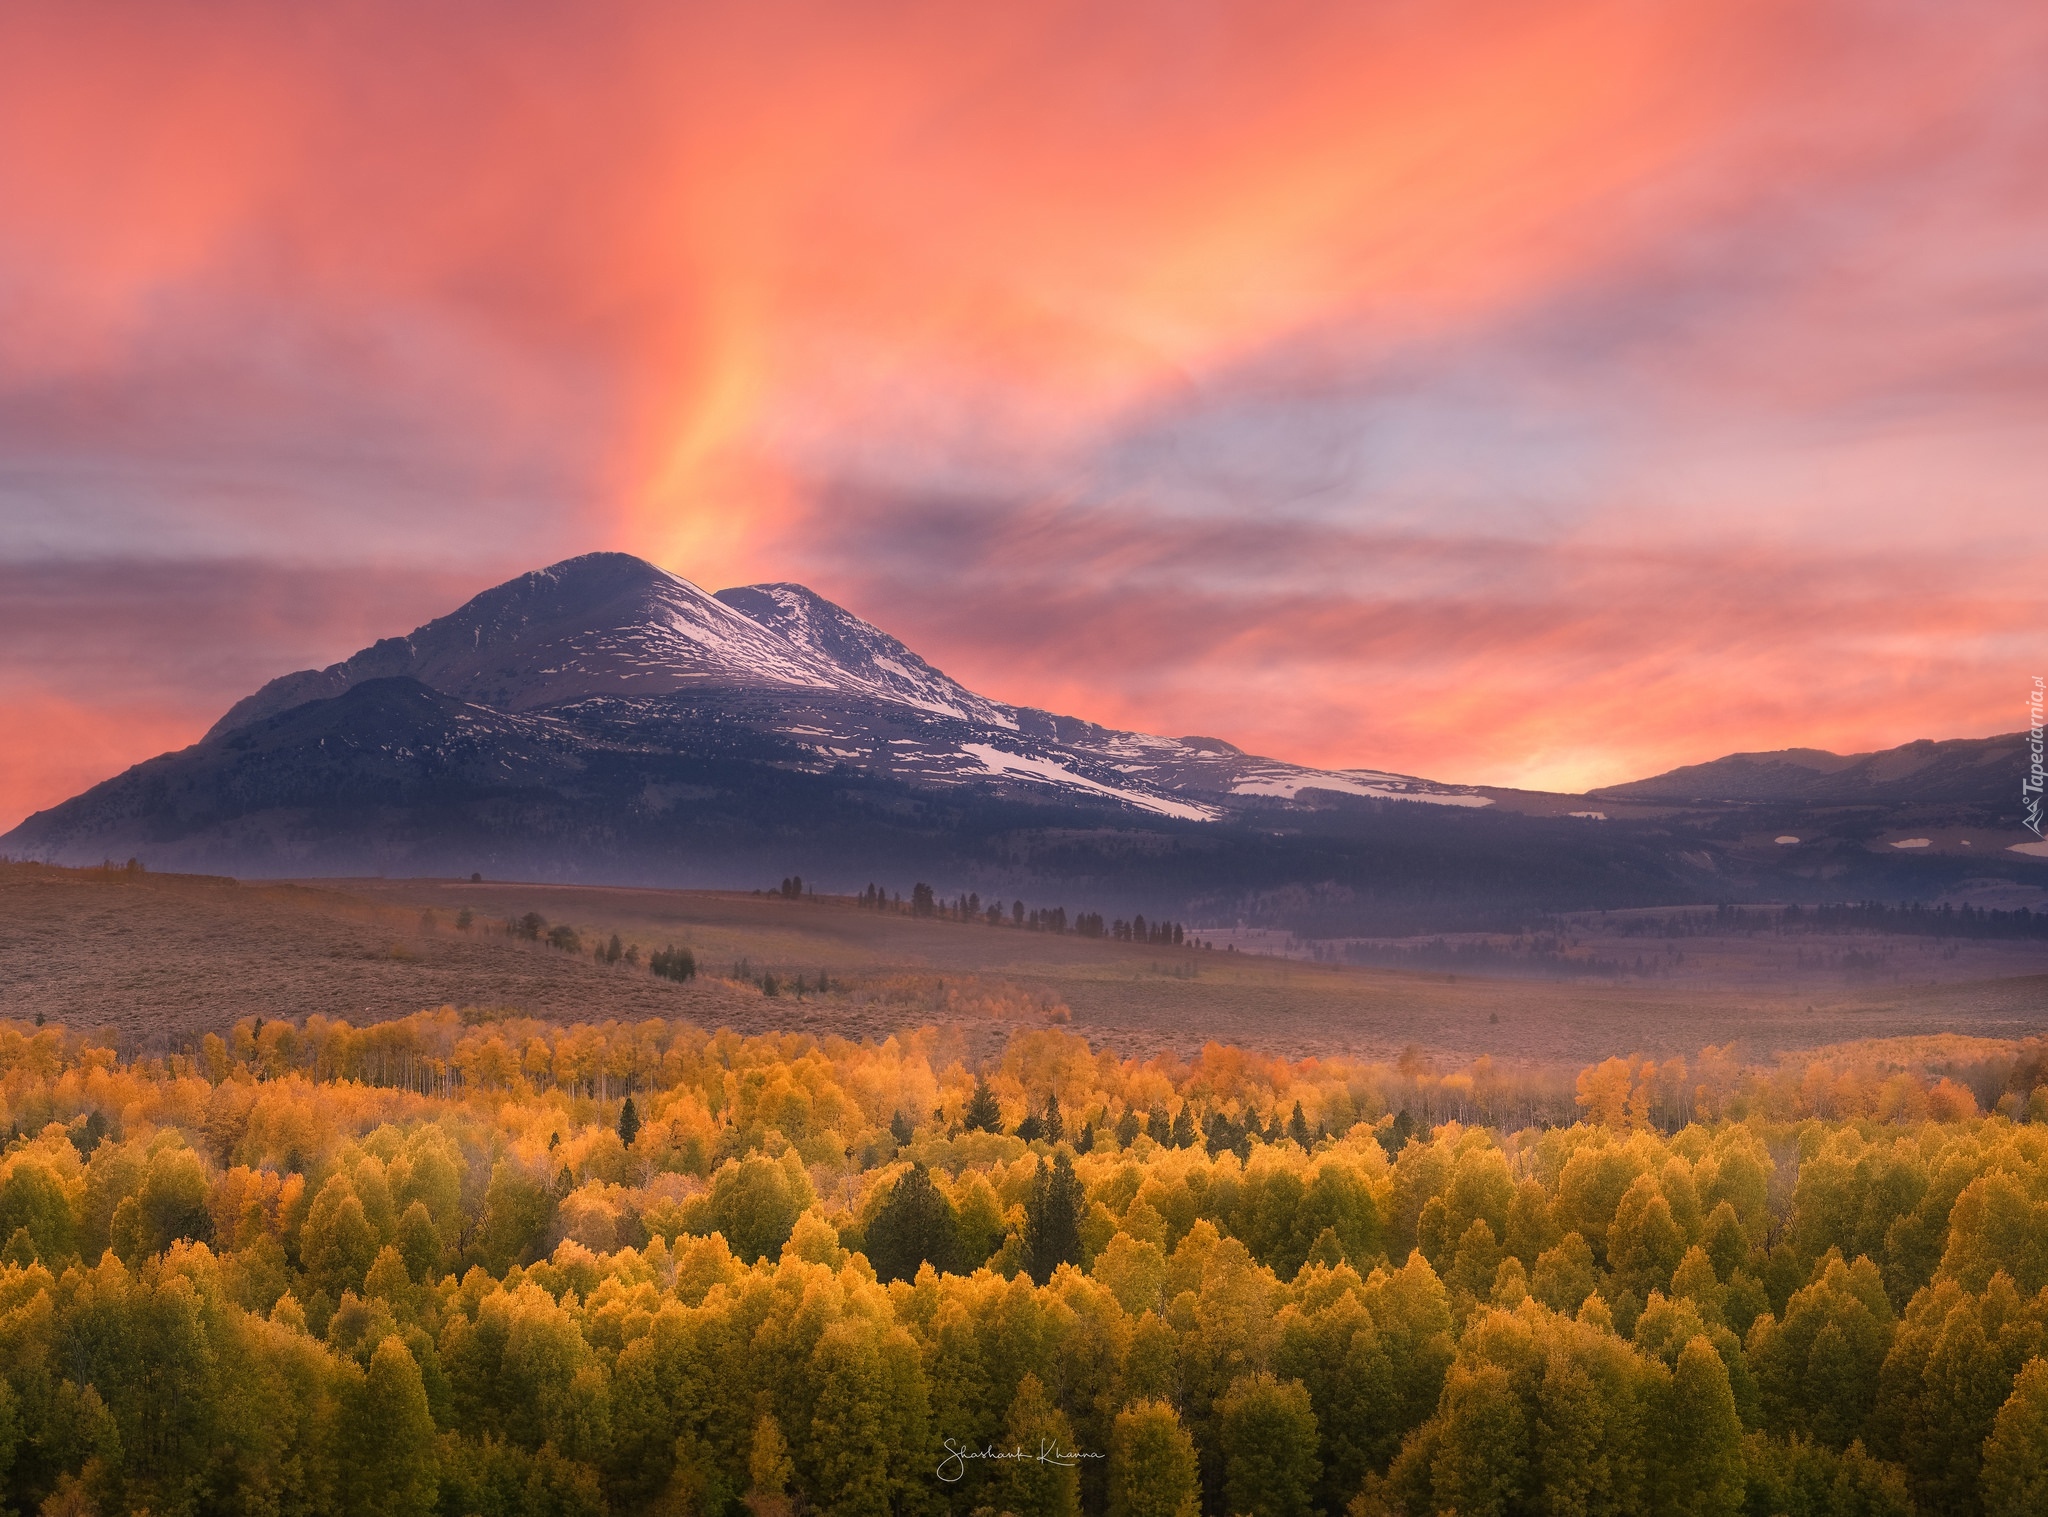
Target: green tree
[629,1122]
[337,1245]
[913,1227]
[419,1244]
[390,1467]
[518,1209]
[1699,1448]
[870,1435]
[755,1203]
[1817,1366]
[1046,1481]
[2015,1480]
[1153,1471]
[172,1201]
[33,1199]
[1052,1218]
[982,1114]
[1268,1435]
[1481,1463]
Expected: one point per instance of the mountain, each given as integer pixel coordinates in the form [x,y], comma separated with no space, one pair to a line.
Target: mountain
[611,642]
[605,720]
[1970,771]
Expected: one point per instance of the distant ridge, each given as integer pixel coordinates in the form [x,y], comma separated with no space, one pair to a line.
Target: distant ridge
[1970,771]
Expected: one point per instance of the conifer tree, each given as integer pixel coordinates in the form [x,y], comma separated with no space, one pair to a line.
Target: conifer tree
[983,1114]
[1052,1218]
[915,1226]
[629,1122]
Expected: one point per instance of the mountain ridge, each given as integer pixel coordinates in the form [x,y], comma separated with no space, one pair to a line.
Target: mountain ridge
[604,719]
[1979,770]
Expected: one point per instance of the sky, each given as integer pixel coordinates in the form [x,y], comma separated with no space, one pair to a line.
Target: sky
[1524,395]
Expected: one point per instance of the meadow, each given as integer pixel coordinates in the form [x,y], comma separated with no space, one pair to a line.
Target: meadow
[159,960]
[492,1264]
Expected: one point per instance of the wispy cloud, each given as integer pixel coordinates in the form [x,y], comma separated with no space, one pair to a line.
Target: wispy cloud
[1540,394]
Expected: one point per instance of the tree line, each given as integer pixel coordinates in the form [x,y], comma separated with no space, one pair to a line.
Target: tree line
[969,907]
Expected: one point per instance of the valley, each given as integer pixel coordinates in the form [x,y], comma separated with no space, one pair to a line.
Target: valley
[162,957]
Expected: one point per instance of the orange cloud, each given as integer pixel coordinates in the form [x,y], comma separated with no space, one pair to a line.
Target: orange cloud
[53,746]
[1311,373]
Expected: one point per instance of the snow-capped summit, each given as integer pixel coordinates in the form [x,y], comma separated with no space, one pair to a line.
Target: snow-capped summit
[599,624]
[860,653]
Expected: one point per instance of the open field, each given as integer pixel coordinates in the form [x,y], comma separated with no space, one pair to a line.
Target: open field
[172,956]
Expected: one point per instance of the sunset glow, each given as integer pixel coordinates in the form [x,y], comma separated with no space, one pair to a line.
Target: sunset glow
[1541,396]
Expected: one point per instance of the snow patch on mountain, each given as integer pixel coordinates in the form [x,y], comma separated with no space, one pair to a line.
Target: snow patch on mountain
[1046,771]
[862,657]
[1286,784]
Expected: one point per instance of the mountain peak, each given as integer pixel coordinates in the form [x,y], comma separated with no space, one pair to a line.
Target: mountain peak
[861,652]
[599,623]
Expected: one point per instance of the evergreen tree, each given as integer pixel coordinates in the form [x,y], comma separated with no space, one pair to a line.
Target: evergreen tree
[983,1114]
[629,1122]
[1157,1127]
[1127,1128]
[914,1226]
[1153,1471]
[1052,1218]
[900,1129]
[1297,1126]
[1183,1133]
[1055,1129]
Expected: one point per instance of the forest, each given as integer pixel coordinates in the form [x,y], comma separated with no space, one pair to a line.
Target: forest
[475,1264]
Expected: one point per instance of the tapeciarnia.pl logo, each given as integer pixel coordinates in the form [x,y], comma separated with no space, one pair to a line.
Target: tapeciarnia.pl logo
[2030,787]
